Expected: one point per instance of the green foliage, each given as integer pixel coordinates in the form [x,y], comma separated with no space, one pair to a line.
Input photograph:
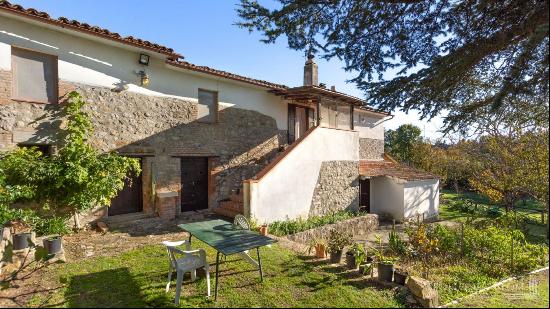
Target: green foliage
[359,253]
[76,179]
[497,251]
[400,143]
[51,226]
[474,55]
[396,244]
[380,255]
[338,240]
[39,224]
[282,228]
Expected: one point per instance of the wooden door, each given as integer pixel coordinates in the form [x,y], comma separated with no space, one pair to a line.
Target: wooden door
[364,198]
[194,183]
[130,198]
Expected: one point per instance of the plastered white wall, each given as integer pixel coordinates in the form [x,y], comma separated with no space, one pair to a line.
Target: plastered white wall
[421,197]
[386,197]
[368,125]
[5,60]
[97,63]
[287,190]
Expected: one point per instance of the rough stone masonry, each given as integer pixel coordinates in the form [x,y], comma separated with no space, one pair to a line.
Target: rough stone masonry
[158,129]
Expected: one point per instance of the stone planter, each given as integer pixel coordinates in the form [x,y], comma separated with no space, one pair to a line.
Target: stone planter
[53,244]
[21,241]
[336,257]
[385,272]
[320,251]
[350,261]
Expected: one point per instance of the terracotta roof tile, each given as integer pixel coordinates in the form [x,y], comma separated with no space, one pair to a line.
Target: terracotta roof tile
[392,169]
[85,28]
[208,70]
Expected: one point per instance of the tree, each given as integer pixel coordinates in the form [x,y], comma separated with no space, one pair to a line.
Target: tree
[456,56]
[400,143]
[76,179]
[507,168]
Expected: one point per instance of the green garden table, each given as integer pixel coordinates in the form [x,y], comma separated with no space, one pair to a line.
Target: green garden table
[227,239]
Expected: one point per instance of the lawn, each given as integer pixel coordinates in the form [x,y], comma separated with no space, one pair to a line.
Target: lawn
[449,210]
[137,279]
[527,292]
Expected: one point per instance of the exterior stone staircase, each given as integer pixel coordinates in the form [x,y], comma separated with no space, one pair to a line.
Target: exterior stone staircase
[234,205]
[231,207]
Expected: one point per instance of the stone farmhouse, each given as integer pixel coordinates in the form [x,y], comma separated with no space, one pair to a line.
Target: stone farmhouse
[208,140]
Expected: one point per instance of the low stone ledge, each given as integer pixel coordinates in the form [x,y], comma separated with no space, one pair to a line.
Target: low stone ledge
[360,226]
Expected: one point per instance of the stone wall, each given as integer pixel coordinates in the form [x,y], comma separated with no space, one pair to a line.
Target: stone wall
[158,129]
[360,226]
[371,149]
[337,188]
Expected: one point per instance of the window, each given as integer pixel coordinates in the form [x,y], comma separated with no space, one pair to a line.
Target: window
[336,115]
[34,76]
[208,106]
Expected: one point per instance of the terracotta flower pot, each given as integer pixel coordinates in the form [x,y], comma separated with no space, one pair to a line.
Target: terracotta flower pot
[263,230]
[320,251]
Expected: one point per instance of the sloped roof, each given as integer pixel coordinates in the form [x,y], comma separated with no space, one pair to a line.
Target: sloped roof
[173,58]
[208,70]
[391,168]
[72,24]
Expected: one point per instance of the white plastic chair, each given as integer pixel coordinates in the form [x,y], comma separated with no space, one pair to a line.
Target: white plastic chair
[189,263]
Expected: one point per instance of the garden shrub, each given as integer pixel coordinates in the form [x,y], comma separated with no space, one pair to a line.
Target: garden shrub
[489,248]
[288,227]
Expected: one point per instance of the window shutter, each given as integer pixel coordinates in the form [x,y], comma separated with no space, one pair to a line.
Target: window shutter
[34,76]
[208,106]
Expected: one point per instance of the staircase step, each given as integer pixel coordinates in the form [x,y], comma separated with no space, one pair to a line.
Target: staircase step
[126,218]
[142,223]
[226,212]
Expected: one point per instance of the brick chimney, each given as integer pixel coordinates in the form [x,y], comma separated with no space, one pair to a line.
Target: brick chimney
[311,77]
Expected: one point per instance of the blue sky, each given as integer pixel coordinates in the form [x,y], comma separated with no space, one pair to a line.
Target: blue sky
[204,32]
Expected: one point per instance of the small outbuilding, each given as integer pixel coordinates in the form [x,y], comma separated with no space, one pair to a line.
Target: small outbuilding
[398,191]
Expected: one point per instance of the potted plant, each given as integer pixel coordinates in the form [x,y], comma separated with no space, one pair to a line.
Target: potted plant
[400,276]
[263,229]
[337,241]
[320,247]
[355,256]
[21,238]
[55,227]
[385,263]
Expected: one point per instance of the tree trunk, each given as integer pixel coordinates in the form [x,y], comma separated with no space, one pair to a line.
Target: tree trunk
[76,221]
[455,184]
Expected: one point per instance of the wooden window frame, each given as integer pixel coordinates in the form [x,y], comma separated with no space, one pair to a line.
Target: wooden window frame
[55,77]
[217,104]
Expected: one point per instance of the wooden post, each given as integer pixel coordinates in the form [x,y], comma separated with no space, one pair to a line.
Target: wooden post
[462,239]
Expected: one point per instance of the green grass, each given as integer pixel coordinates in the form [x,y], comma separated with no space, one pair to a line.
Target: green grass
[449,210]
[528,292]
[137,279]
[287,227]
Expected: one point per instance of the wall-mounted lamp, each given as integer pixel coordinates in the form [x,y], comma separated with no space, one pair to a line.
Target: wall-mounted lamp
[144,78]
[144,59]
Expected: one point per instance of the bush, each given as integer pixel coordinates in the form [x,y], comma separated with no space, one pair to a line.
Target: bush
[42,226]
[283,228]
[338,240]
